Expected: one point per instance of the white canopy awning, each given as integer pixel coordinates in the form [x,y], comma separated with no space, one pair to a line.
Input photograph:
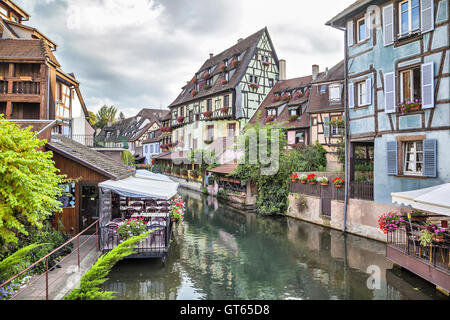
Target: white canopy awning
[435,199]
[143,184]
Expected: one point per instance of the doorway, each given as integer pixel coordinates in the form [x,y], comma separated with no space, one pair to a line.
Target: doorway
[88,206]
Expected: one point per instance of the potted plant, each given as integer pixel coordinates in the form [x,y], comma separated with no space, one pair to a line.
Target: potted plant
[298,95]
[131,228]
[206,75]
[294,177]
[323,181]
[390,222]
[338,182]
[224,110]
[293,118]
[235,63]
[224,82]
[223,67]
[194,93]
[426,237]
[266,63]
[286,97]
[270,118]
[208,114]
[418,216]
[438,233]
[184,172]
[312,178]
[276,99]
[409,106]
[254,85]
[206,87]
[177,209]
[303,178]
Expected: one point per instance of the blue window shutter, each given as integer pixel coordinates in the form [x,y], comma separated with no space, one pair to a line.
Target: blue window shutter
[369,91]
[388,25]
[326,127]
[392,158]
[389,93]
[430,158]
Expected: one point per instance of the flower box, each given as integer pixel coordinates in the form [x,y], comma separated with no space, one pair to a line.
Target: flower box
[225,110]
[254,85]
[235,63]
[298,95]
[206,87]
[286,97]
[180,119]
[207,114]
[223,67]
[323,181]
[312,178]
[338,182]
[303,178]
[266,63]
[410,106]
[293,118]
[224,82]
[194,93]
[270,118]
[276,99]
[294,177]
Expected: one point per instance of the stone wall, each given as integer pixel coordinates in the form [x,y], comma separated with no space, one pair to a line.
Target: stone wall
[362,215]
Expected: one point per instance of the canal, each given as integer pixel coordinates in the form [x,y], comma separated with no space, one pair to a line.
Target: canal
[220,254]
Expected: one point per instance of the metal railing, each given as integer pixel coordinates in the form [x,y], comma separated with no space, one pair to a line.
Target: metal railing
[46,258]
[87,140]
[407,240]
[358,190]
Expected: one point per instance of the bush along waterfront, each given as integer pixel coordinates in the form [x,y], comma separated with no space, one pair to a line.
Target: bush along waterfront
[273,190]
[90,284]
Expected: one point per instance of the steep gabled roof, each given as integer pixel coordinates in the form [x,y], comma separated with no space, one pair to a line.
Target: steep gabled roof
[244,48]
[25,15]
[89,158]
[153,114]
[339,19]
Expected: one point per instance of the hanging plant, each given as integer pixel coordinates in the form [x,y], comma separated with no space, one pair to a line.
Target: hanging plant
[235,63]
[224,82]
[298,95]
[194,93]
[307,93]
[254,85]
[323,181]
[390,222]
[266,63]
[207,114]
[206,75]
[338,182]
[312,178]
[224,110]
[223,67]
[276,99]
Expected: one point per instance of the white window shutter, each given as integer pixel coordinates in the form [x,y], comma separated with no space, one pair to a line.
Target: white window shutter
[326,127]
[428,85]
[427,15]
[392,157]
[369,91]
[389,92]
[350,33]
[351,95]
[430,158]
[368,26]
[388,24]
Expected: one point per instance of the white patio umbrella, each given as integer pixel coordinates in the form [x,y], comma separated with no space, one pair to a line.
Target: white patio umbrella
[434,199]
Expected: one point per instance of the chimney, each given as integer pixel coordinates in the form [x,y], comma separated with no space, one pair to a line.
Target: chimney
[211,55]
[282,69]
[240,39]
[315,71]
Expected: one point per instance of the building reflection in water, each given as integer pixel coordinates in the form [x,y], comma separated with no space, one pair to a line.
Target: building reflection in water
[219,253]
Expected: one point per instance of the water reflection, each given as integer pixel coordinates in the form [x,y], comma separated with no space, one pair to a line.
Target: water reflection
[218,253]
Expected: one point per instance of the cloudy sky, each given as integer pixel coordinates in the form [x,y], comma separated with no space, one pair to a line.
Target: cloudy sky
[138,54]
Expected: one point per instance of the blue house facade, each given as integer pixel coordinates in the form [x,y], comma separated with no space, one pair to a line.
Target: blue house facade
[398,91]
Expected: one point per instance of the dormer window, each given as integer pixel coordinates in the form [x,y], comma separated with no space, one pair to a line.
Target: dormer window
[335,93]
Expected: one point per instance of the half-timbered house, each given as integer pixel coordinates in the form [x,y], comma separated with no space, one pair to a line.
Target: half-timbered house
[326,109]
[398,58]
[224,93]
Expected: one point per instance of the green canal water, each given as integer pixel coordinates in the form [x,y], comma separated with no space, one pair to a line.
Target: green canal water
[220,254]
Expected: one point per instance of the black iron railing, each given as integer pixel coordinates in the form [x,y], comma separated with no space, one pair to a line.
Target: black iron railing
[358,190]
[407,240]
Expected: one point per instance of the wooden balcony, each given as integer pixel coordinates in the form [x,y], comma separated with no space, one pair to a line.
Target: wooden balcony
[429,262]
[26,87]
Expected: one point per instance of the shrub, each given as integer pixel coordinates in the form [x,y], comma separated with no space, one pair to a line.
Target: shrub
[131,228]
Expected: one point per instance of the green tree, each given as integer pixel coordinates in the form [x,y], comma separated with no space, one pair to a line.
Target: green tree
[92,118]
[91,281]
[273,190]
[29,183]
[104,115]
[127,158]
[121,117]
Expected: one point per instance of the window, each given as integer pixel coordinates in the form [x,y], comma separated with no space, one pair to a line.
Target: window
[272,112]
[194,144]
[231,129]
[409,17]
[67,198]
[209,82]
[227,76]
[209,105]
[182,111]
[210,133]
[293,112]
[335,93]
[336,128]
[361,87]
[191,116]
[410,87]
[361,28]
[299,137]
[414,160]
[146,149]
[323,89]
[271,83]
[151,149]
[226,101]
